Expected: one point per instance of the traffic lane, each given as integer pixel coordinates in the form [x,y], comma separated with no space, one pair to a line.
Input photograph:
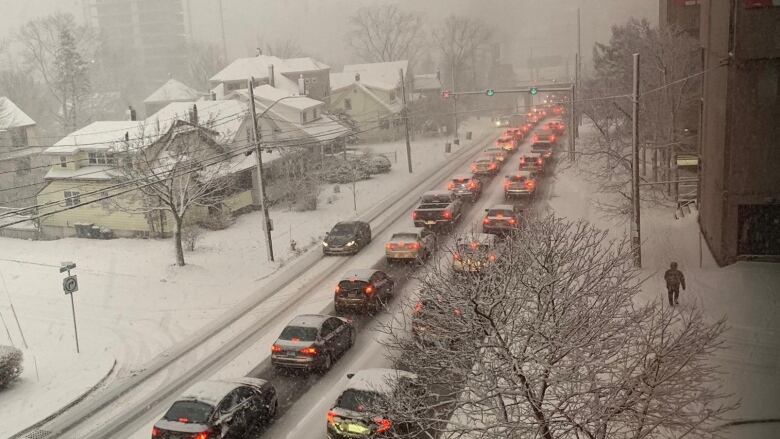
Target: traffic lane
[307,401]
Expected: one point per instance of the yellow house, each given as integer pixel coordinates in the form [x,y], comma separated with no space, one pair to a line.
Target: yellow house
[86,187]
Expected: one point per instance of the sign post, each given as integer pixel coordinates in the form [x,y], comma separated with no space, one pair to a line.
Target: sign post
[70,285]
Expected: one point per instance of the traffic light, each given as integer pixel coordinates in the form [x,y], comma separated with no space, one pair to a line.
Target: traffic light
[533,91]
[445,94]
[490,92]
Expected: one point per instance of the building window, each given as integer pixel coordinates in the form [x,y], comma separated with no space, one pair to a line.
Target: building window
[314,114]
[63,161]
[72,198]
[23,166]
[304,117]
[384,124]
[347,104]
[101,158]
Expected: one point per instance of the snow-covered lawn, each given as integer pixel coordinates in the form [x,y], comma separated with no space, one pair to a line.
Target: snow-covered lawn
[745,292]
[133,303]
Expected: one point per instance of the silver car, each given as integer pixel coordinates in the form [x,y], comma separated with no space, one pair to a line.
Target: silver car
[414,245]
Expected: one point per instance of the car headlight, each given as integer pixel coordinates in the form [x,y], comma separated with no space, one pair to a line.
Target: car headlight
[324,244]
[351,243]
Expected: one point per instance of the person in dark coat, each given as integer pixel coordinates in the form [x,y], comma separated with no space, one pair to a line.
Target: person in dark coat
[674,278]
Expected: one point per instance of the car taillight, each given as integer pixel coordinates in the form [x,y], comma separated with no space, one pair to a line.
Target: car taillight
[155,432]
[512,221]
[529,184]
[369,290]
[383,425]
[456,256]
[539,162]
[311,351]
[418,307]
[202,435]
[474,168]
[446,214]
[391,246]
[338,289]
[536,138]
[507,184]
[183,420]
[552,138]
[413,246]
[486,221]
[472,185]
[492,166]
[451,186]
[414,215]
[331,417]
[276,349]
[492,258]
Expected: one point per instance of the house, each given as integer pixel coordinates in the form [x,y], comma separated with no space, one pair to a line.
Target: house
[87,167]
[171,91]
[22,162]
[294,75]
[426,85]
[370,94]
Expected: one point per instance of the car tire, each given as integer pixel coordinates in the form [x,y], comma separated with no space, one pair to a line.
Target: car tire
[327,363]
[352,337]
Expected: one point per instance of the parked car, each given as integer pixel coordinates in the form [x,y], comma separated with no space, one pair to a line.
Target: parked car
[363,290]
[437,209]
[520,184]
[360,410]
[543,148]
[485,166]
[345,171]
[414,245]
[465,186]
[217,409]
[474,252]
[501,219]
[378,164]
[531,163]
[498,152]
[346,237]
[312,342]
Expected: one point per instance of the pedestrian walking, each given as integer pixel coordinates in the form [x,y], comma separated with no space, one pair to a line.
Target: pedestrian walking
[674,279]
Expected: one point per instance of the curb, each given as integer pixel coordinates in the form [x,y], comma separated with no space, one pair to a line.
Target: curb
[67,406]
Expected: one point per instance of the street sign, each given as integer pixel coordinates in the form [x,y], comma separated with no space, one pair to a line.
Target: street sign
[66,266]
[70,284]
[445,94]
[533,91]
[490,92]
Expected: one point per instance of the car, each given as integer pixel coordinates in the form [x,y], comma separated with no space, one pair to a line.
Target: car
[437,209]
[346,237]
[544,136]
[506,143]
[516,133]
[432,312]
[346,171]
[378,164]
[311,342]
[502,121]
[543,148]
[556,126]
[465,186]
[473,253]
[520,184]
[498,152]
[501,219]
[413,245]
[531,163]
[363,290]
[219,408]
[360,409]
[485,165]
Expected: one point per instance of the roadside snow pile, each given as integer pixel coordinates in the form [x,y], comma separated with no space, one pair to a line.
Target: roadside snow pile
[10,365]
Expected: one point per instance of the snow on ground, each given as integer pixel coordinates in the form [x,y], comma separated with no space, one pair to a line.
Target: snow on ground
[746,293]
[133,303]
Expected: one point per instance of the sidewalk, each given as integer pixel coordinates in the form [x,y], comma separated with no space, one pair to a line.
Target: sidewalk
[747,293]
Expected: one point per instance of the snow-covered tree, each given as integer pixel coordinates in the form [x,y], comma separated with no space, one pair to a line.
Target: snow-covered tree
[551,341]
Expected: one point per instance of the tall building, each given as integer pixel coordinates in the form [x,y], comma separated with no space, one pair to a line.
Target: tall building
[740,133]
[147,36]
[684,14]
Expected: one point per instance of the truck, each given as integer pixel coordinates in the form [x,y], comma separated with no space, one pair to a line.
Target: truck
[437,209]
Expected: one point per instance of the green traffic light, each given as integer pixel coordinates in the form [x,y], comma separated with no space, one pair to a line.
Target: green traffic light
[490,92]
[533,90]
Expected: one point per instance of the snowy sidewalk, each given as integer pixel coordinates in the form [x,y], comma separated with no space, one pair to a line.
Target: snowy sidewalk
[747,293]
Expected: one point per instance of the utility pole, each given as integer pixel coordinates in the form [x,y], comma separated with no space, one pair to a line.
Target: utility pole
[572,156]
[454,101]
[260,181]
[222,28]
[406,122]
[636,243]
[579,68]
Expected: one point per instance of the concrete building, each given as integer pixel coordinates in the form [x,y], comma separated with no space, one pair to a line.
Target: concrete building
[740,136]
[683,14]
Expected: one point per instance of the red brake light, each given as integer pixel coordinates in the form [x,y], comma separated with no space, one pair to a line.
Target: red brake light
[202,435]
[412,245]
[418,307]
[530,184]
[155,432]
[331,417]
[486,221]
[382,424]
[414,215]
[338,289]
[183,420]
[276,348]
[473,167]
[456,256]
[552,138]
[511,222]
[451,186]
[312,351]
[446,214]
[492,166]
[472,185]
[507,184]
[369,290]
[536,138]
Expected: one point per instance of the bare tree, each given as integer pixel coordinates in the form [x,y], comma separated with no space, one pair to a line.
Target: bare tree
[183,170]
[551,341]
[284,48]
[386,33]
[204,61]
[459,40]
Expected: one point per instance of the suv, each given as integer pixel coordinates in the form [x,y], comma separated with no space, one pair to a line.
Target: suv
[485,166]
[346,237]
[531,163]
[360,410]
[501,219]
[465,186]
[225,408]
[473,253]
[520,184]
[311,342]
[545,136]
[543,148]
[498,152]
[363,289]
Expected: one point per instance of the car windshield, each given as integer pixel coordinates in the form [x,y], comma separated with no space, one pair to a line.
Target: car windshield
[343,229]
[404,237]
[460,181]
[304,333]
[195,412]
[499,212]
[351,285]
[443,198]
[360,400]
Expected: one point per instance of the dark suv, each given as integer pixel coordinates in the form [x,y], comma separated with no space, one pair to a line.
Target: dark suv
[346,237]
[363,289]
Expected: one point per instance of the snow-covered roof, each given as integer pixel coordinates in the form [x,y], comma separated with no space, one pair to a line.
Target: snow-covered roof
[97,135]
[11,116]
[378,73]
[379,380]
[257,67]
[173,91]
[210,392]
[341,80]
[272,94]
[101,172]
[428,81]
[223,116]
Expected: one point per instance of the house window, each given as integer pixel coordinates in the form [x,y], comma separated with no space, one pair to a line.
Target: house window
[304,117]
[314,114]
[101,158]
[63,161]
[347,104]
[72,198]
[384,124]
[23,166]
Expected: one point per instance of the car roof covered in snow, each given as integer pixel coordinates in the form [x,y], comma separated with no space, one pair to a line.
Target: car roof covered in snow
[436,193]
[379,380]
[359,274]
[210,392]
[502,207]
[309,320]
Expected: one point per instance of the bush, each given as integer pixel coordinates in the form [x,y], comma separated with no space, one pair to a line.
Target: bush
[189,236]
[10,365]
[218,219]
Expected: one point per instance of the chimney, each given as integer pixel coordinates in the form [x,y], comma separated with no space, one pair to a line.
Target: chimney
[259,51]
[271,75]
[194,114]
[301,85]
[213,95]
[130,113]
[357,77]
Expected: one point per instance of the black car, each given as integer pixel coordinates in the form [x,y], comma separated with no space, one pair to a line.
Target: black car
[214,409]
[346,237]
[312,342]
[363,289]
